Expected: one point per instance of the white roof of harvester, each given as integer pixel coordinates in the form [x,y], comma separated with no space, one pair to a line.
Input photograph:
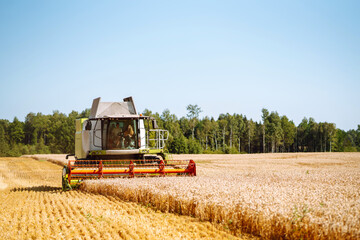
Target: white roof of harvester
[124,109]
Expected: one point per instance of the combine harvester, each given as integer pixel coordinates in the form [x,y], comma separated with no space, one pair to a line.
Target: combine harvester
[117,142]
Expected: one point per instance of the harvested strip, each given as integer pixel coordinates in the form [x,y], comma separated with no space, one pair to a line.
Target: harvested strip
[33,206]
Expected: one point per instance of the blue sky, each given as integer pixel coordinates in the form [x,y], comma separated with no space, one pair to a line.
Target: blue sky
[299,58]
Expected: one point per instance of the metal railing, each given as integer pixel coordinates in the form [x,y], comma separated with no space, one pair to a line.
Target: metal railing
[156,138]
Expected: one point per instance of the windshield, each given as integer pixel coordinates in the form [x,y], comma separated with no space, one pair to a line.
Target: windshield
[121,134]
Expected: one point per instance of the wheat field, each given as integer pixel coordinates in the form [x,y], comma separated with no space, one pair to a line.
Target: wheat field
[33,206]
[272,196]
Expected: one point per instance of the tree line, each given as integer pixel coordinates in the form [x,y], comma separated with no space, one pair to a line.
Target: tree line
[238,134]
[39,133]
[54,133]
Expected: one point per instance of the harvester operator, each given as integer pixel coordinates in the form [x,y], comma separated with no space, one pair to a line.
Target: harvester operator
[128,134]
[129,131]
[116,136]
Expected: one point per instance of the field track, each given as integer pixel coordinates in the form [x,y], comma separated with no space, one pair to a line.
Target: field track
[33,206]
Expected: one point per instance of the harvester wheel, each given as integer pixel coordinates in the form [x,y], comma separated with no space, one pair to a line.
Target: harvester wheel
[65,182]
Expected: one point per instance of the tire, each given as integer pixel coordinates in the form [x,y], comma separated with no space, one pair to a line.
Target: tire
[65,183]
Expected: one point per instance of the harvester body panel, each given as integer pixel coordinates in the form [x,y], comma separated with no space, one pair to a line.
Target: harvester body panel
[81,139]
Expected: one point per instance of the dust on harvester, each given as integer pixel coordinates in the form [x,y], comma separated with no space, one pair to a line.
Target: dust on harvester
[115,141]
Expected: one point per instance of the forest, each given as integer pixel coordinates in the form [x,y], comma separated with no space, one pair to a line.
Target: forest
[230,134]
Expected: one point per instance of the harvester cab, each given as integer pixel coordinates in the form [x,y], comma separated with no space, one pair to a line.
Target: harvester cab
[115,141]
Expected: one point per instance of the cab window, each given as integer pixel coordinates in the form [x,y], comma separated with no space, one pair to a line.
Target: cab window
[121,134]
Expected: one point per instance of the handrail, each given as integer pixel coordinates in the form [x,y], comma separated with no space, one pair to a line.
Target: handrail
[160,137]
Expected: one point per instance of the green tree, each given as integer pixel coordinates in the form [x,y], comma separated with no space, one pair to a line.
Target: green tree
[358,138]
[223,126]
[232,126]
[302,134]
[250,130]
[349,141]
[16,131]
[194,146]
[185,127]
[274,130]
[4,146]
[170,122]
[264,116]
[311,137]
[339,140]
[289,131]
[239,119]
[29,130]
[214,131]
[178,145]
[193,115]
[85,113]
[331,133]
[206,123]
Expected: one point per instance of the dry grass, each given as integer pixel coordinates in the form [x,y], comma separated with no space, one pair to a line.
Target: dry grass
[32,206]
[289,196]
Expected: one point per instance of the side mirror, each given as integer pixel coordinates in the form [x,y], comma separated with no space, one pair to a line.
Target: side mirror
[88,125]
[154,124]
